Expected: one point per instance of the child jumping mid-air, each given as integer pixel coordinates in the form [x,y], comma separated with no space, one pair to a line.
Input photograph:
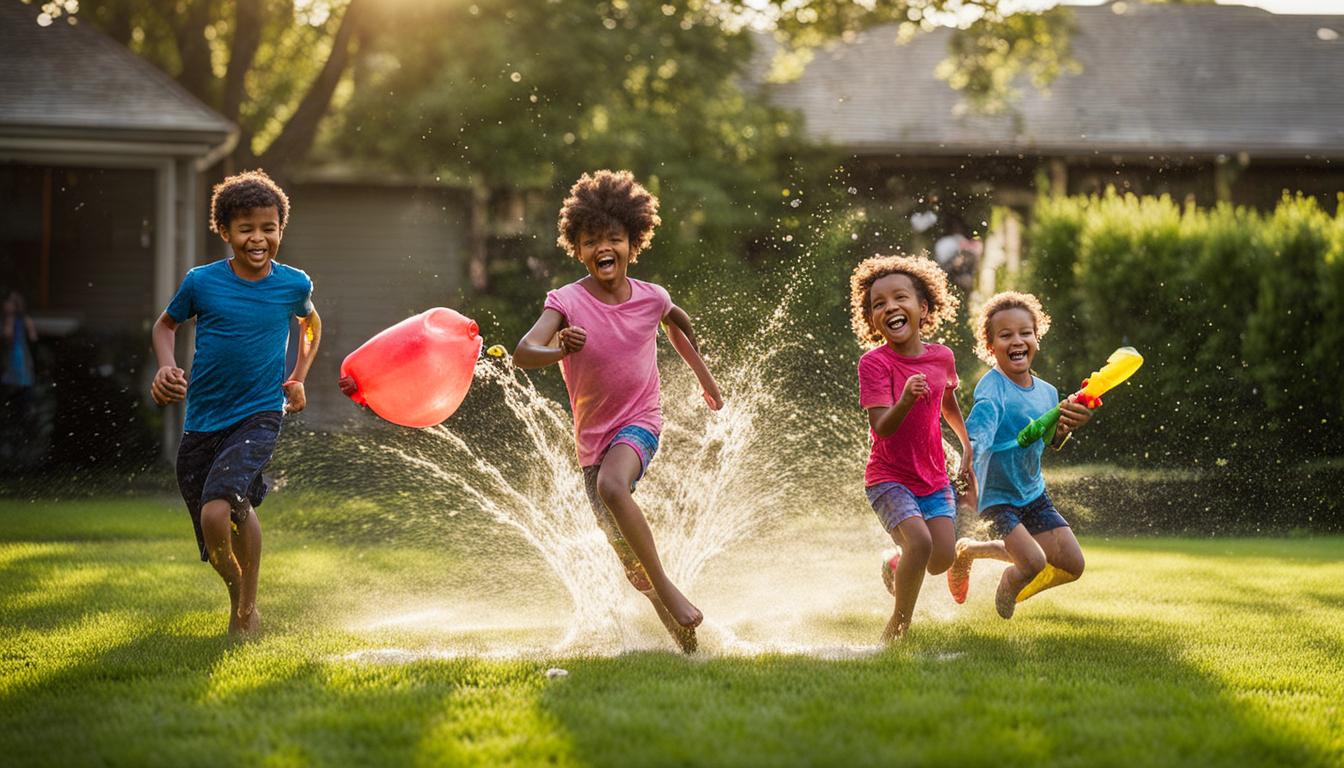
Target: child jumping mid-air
[603,330]
[907,386]
[1035,538]
[238,390]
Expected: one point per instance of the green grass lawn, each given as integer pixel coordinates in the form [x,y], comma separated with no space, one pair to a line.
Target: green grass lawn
[1167,652]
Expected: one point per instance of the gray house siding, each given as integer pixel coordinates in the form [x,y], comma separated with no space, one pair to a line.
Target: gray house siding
[376,254]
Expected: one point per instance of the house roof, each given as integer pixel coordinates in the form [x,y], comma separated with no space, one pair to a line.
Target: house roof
[1155,79]
[71,81]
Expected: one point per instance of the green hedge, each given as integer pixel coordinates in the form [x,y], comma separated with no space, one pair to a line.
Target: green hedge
[1239,314]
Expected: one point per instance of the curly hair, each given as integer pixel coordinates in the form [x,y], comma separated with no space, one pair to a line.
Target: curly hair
[242,192]
[930,283]
[606,199]
[998,303]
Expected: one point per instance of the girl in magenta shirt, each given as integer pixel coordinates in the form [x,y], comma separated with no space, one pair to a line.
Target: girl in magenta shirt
[603,330]
[907,385]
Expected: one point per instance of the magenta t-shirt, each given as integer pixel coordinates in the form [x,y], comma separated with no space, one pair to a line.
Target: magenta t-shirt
[913,454]
[613,380]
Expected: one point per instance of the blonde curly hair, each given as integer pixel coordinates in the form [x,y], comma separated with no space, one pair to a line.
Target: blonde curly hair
[998,303]
[930,283]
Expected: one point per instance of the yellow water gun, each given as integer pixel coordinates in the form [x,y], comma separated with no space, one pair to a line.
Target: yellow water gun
[1122,364]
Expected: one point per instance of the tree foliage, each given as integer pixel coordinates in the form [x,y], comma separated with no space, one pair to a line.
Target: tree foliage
[271,66]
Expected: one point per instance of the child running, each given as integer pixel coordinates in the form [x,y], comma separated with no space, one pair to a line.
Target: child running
[603,330]
[1035,538]
[238,389]
[907,384]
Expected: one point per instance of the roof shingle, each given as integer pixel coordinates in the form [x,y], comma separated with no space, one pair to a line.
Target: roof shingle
[1188,79]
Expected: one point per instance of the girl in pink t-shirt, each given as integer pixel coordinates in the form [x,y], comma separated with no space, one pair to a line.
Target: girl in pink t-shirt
[907,385]
[603,330]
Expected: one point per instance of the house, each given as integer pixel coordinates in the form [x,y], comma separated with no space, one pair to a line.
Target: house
[101,157]
[105,164]
[1200,101]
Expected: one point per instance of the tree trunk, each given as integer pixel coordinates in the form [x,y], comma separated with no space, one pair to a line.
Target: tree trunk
[296,138]
[194,51]
[246,41]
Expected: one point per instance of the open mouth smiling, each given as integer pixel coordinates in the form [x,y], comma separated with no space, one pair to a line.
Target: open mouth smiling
[1017,355]
[896,322]
[606,261]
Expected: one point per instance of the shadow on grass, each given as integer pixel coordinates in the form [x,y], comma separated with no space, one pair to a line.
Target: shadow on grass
[1080,691]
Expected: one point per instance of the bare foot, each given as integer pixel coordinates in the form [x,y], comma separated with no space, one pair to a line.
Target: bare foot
[684,636]
[686,615]
[894,630]
[1005,597]
[241,627]
[959,575]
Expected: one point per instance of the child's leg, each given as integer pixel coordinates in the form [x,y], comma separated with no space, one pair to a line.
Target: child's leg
[943,548]
[966,552]
[620,467]
[1028,560]
[247,547]
[912,534]
[1064,561]
[217,529]
[970,549]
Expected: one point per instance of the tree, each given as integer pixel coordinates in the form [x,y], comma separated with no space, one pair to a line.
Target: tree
[501,97]
[271,66]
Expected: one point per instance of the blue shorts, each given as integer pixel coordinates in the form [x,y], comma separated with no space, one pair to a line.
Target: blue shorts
[226,464]
[894,504]
[645,444]
[1038,516]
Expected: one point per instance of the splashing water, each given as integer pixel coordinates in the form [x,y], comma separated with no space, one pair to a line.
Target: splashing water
[716,480]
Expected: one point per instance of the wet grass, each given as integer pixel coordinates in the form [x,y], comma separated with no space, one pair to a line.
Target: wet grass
[1168,652]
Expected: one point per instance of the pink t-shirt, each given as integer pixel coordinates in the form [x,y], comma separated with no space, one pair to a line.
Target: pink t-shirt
[913,454]
[613,380]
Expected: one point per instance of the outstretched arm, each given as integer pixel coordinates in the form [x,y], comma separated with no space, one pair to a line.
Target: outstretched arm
[547,342]
[682,336]
[310,336]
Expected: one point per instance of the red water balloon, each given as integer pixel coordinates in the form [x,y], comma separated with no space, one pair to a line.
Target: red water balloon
[415,373]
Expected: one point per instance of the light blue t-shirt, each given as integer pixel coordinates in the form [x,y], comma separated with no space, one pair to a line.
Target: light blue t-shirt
[242,333]
[1010,475]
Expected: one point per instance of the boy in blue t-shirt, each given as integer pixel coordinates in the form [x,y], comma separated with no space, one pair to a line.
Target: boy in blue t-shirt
[238,389]
[1034,537]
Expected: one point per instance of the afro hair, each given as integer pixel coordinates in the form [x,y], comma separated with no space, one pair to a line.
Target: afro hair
[605,199]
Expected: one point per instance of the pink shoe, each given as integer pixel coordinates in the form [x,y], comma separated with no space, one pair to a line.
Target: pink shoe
[890,559]
[959,576]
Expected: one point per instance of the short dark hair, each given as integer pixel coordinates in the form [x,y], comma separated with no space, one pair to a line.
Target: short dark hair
[243,192]
[604,199]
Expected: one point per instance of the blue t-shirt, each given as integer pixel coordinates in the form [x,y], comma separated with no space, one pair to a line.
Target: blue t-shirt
[1009,475]
[242,333]
[19,368]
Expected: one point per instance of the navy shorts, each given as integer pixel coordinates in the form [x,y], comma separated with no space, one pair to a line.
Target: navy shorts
[226,464]
[1038,516]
